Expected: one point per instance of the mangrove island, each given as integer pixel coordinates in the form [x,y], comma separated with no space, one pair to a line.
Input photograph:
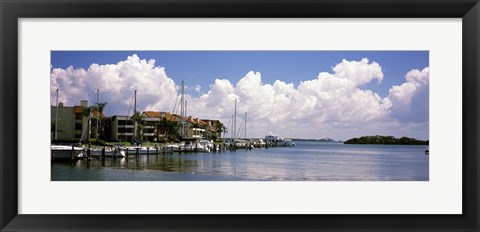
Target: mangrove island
[378,139]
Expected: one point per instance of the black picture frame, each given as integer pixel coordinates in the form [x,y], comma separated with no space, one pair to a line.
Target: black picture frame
[11,11]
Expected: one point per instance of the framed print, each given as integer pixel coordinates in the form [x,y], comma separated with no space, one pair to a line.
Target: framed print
[226,115]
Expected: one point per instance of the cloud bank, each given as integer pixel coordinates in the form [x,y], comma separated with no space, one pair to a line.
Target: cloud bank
[333,104]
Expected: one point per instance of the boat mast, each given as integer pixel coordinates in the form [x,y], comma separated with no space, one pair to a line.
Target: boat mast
[134,112]
[231,125]
[182,111]
[235,121]
[56,119]
[96,136]
[135,103]
[245,125]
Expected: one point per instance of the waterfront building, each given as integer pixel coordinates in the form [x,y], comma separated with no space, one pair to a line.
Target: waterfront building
[73,123]
[193,128]
[211,130]
[121,128]
[153,130]
[65,122]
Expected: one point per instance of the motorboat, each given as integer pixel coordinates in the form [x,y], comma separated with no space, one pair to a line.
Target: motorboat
[278,141]
[65,151]
[191,147]
[288,143]
[141,150]
[109,151]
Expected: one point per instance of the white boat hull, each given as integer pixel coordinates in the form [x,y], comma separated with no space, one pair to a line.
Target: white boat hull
[64,151]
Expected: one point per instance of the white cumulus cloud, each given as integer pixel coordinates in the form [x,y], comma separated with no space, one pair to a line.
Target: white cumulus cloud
[306,109]
[360,72]
[116,83]
[410,101]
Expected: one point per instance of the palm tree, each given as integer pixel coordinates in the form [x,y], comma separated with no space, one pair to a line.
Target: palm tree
[221,129]
[168,127]
[98,110]
[86,112]
[139,120]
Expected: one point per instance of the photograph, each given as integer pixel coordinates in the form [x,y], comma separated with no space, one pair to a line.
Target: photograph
[234,115]
[239,115]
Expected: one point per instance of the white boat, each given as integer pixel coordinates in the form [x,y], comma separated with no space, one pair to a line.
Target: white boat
[273,138]
[132,150]
[64,151]
[207,143]
[108,152]
[258,142]
[191,147]
[278,141]
[170,147]
[288,143]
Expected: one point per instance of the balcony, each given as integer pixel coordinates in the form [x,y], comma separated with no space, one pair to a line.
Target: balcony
[125,134]
[149,134]
[125,126]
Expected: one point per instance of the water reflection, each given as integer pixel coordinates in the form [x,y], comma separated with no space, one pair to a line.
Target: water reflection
[306,161]
[185,163]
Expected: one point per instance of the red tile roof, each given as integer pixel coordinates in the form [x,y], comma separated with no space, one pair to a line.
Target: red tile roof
[156,114]
[78,109]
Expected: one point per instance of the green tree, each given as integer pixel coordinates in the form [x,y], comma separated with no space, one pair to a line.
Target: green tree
[87,112]
[169,129]
[220,129]
[99,107]
[95,113]
[139,119]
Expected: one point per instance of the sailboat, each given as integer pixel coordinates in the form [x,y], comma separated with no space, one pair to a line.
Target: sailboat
[141,149]
[62,151]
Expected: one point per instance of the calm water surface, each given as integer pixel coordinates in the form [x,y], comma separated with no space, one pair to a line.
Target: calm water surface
[307,161]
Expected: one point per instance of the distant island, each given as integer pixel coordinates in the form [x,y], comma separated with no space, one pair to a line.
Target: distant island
[378,139]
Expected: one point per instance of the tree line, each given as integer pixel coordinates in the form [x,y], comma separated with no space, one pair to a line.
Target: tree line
[378,139]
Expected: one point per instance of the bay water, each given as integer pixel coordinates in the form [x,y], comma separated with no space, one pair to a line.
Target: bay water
[307,161]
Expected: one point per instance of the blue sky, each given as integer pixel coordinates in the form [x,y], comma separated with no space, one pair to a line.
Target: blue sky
[203,67]
[397,113]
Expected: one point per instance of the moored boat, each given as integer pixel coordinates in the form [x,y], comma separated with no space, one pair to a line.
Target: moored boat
[276,140]
[64,151]
[109,152]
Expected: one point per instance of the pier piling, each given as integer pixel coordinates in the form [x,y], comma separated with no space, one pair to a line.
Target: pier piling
[103,154]
[89,156]
[72,158]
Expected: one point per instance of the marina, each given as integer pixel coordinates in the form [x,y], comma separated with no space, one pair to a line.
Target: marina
[74,152]
[306,161]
